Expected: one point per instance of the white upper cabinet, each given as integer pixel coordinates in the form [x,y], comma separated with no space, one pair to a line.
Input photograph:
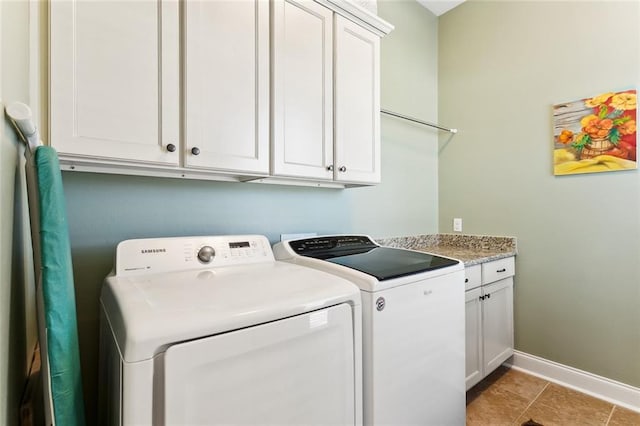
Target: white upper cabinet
[114,80]
[326,95]
[302,89]
[357,103]
[227,90]
[226,85]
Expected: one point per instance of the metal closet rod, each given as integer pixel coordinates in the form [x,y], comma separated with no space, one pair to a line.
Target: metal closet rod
[416,120]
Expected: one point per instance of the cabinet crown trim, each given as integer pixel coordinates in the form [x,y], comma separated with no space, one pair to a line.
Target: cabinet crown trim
[359,15]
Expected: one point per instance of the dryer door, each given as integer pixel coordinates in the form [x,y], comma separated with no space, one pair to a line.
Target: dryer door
[298,370]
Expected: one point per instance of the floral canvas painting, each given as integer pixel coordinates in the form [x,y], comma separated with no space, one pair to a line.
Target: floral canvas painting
[595,134]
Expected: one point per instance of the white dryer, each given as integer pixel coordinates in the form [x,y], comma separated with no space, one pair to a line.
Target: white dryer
[213,330]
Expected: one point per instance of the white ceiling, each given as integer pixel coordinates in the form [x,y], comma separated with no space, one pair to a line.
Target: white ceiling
[438,7]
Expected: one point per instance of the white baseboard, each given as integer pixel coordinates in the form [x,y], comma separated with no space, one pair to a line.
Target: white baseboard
[597,386]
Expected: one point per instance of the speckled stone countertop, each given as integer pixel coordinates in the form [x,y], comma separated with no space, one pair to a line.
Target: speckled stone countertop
[470,249]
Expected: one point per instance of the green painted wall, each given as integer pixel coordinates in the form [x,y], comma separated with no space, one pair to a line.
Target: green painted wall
[105,209]
[502,65]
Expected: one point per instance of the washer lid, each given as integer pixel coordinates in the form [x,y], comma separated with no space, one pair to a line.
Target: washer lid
[359,252]
[386,263]
[147,313]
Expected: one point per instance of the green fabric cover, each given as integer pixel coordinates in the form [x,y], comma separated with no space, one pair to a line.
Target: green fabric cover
[58,293]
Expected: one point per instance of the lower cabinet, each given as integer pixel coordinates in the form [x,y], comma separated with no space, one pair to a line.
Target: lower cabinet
[473,334]
[497,323]
[489,318]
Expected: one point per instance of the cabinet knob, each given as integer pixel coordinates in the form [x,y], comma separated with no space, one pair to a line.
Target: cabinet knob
[171,147]
[501,270]
[195,150]
[330,167]
[466,280]
[342,169]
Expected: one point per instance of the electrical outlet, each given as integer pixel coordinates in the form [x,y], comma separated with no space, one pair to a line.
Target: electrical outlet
[457,224]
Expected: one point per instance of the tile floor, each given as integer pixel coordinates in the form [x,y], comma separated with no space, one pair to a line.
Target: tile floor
[509,397]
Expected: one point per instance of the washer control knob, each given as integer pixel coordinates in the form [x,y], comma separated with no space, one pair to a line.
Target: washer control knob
[206,254]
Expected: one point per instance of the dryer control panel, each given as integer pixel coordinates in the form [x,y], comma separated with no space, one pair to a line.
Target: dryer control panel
[155,255]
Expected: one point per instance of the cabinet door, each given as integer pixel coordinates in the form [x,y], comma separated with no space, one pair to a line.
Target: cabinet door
[497,317]
[114,80]
[357,103]
[226,84]
[472,277]
[473,333]
[302,89]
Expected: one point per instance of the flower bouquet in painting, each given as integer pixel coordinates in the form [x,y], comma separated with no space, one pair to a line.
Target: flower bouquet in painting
[596,134]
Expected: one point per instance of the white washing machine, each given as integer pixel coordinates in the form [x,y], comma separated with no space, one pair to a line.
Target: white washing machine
[212,330]
[413,326]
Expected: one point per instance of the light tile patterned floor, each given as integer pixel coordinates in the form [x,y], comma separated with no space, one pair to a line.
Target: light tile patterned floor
[510,398]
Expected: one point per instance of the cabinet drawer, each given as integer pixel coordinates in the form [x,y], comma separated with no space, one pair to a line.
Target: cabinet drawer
[472,277]
[497,270]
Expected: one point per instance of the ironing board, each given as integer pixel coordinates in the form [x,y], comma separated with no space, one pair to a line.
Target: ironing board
[57,322]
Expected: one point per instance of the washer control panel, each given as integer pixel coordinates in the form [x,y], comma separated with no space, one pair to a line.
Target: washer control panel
[155,255]
[206,253]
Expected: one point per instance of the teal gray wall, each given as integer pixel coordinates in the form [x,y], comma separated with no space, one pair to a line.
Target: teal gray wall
[502,65]
[17,312]
[105,209]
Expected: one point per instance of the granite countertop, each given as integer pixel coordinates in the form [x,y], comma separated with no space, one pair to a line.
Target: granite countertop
[470,249]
